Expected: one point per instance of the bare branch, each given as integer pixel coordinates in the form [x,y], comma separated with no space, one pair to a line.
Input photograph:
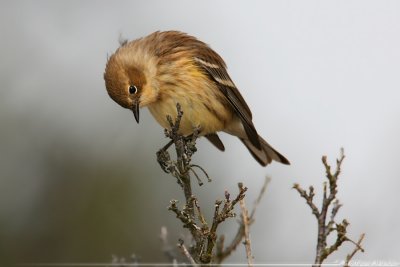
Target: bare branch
[329,201]
[356,249]
[246,225]
[267,180]
[206,247]
[185,218]
[219,217]
[309,198]
[240,234]
[185,252]
[223,254]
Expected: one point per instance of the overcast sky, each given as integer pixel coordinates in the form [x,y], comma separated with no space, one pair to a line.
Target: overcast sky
[318,76]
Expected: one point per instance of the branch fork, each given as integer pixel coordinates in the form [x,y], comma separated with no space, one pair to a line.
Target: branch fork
[329,202]
[207,246]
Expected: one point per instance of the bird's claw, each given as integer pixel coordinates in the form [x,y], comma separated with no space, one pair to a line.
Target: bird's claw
[164,160]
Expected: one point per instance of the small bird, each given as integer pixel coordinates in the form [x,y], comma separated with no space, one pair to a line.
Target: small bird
[165,68]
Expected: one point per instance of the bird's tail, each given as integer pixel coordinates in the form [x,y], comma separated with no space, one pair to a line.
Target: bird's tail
[266,154]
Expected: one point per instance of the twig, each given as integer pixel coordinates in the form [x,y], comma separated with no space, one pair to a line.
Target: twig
[309,198]
[356,249]
[204,235]
[201,168]
[246,226]
[240,234]
[185,252]
[199,213]
[219,217]
[223,254]
[328,200]
[185,218]
[267,180]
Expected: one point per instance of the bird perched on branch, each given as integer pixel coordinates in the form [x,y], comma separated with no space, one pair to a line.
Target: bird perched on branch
[166,68]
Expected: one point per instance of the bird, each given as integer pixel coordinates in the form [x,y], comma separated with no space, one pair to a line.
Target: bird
[165,68]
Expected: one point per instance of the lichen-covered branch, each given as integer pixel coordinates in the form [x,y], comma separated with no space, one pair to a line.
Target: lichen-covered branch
[222,252]
[329,202]
[205,247]
[221,215]
[185,148]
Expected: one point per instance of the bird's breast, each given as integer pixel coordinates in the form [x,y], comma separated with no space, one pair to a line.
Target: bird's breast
[202,103]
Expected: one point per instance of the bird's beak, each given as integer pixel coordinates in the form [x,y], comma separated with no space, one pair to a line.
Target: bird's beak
[135,110]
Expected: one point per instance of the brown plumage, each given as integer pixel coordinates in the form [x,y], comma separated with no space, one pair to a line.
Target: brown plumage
[166,68]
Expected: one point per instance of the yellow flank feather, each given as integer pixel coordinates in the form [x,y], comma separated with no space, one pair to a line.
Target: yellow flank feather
[196,95]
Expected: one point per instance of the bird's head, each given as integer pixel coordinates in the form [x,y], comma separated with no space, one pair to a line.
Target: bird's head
[126,81]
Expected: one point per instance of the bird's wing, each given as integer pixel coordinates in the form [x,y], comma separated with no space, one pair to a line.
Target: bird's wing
[175,44]
[215,67]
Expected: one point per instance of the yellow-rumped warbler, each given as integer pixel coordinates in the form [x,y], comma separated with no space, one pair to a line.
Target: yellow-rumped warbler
[166,68]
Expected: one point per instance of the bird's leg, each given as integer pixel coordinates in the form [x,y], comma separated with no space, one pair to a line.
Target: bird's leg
[165,148]
[164,159]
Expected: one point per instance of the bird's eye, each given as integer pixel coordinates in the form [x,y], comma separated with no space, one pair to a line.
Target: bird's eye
[133,89]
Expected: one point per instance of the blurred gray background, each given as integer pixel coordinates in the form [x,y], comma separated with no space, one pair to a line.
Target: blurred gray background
[78,177]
